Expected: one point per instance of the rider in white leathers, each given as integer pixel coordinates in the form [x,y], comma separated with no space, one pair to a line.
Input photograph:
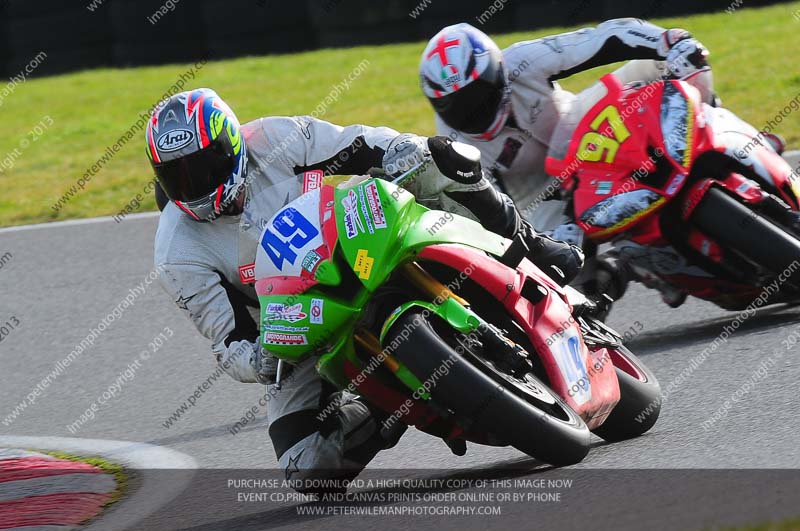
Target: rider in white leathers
[507,104]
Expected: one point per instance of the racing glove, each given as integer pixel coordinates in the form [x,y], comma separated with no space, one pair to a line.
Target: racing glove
[686,58]
[265,365]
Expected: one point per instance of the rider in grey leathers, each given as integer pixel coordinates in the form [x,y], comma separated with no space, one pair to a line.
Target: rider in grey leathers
[225,181]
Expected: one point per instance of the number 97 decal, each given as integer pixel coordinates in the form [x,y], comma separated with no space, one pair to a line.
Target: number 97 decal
[294,232]
[595,145]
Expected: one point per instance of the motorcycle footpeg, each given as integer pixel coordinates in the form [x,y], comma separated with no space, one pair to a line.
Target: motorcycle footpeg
[603,305]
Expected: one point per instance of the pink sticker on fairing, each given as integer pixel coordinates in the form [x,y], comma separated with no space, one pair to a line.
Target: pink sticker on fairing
[312,180]
[247,273]
[375,205]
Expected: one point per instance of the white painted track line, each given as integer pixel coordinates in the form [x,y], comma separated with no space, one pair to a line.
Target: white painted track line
[74,222]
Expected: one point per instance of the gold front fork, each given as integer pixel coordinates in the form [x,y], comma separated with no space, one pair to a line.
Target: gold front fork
[437,291]
[432,287]
[367,340]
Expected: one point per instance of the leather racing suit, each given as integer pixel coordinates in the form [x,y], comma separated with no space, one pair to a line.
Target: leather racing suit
[208,271]
[515,154]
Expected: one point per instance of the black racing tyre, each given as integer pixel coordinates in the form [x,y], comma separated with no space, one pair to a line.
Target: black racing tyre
[639,399]
[525,414]
[736,227]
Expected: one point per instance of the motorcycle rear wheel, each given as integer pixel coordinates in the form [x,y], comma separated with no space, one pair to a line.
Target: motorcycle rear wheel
[525,414]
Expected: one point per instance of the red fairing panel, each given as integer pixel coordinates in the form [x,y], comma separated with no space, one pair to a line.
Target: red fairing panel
[283,285]
[493,276]
[388,399]
[330,233]
[747,190]
[585,380]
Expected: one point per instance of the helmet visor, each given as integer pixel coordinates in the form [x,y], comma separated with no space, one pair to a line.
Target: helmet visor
[195,176]
[473,108]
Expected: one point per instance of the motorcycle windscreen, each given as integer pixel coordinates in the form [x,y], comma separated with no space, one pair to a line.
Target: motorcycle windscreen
[677,124]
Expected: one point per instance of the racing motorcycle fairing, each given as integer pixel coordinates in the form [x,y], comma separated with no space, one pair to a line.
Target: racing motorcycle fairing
[629,153]
[576,373]
[638,161]
[379,228]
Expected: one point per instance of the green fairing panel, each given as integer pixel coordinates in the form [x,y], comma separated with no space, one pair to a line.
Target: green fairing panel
[376,236]
[380,227]
[294,326]
[331,364]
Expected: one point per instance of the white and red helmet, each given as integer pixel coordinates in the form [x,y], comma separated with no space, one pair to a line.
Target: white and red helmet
[462,75]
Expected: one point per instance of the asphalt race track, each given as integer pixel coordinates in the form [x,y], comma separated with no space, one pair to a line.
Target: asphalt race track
[63,279]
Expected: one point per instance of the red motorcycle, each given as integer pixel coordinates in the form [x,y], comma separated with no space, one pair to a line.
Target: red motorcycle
[692,198]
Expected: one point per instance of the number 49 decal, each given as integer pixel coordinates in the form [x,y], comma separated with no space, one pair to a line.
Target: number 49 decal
[296,232]
[595,146]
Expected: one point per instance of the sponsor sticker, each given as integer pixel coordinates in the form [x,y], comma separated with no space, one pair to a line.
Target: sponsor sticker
[311,261]
[363,264]
[284,328]
[280,338]
[281,312]
[175,139]
[352,221]
[603,188]
[744,187]
[569,357]
[247,273]
[312,180]
[316,311]
[450,75]
[363,204]
[375,205]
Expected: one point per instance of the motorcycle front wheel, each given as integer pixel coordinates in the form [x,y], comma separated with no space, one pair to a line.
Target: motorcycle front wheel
[520,411]
[736,227]
[640,399]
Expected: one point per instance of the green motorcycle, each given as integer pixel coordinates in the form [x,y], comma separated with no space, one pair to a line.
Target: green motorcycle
[444,325]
